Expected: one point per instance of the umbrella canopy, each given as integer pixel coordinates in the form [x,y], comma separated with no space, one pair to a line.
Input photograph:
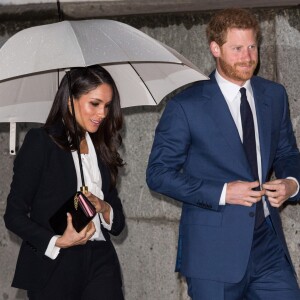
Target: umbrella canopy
[78,44]
[33,61]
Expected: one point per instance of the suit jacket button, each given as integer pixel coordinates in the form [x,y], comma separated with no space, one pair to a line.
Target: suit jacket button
[251,214]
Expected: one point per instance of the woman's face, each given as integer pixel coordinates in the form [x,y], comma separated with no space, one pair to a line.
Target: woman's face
[92,108]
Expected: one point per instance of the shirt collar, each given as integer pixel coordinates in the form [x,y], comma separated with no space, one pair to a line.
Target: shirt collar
[230,90]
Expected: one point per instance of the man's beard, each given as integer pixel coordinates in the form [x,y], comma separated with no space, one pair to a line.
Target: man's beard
[234,73]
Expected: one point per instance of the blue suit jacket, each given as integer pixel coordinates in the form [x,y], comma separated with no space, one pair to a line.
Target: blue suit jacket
[196,150]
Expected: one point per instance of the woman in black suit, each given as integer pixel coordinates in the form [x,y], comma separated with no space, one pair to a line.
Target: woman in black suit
[76,265]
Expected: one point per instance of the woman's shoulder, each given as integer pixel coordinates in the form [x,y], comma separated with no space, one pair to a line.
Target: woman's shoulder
[36,132]
[36,136]
[36,143]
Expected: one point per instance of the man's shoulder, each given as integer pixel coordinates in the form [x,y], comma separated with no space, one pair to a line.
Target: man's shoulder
[196,91]
[266,83]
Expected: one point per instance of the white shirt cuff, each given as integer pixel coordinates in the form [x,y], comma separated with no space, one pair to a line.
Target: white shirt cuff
[223,195]
[293,178]
[52,251]
[111,216]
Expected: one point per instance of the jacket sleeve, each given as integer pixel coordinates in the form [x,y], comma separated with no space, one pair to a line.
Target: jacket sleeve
[119,219]
[170,151]
[28,167]
[111,197]
[287,158]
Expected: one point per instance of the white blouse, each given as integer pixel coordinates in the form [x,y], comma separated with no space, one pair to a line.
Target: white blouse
[93,181]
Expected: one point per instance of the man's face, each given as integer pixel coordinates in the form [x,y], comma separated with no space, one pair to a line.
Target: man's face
[238,57]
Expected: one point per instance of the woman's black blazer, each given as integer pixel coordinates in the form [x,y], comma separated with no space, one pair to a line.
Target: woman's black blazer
[44,178]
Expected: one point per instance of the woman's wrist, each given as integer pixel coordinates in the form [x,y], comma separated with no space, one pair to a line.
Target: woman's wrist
[104,207]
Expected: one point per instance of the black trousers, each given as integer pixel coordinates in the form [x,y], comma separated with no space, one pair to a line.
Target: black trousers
[89,272]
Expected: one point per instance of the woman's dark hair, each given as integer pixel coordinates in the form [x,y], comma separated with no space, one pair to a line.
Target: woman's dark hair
[107,138]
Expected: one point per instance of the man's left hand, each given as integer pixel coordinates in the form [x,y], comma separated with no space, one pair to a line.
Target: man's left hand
[279,190]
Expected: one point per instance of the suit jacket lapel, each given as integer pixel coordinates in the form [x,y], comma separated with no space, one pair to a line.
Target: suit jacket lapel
[220,113]
[105,176]
[65,158]
[264,120]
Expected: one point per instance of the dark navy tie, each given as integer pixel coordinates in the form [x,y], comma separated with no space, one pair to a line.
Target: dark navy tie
[250,147]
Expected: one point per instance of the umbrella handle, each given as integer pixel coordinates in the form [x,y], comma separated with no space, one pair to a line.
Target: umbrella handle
[12,137]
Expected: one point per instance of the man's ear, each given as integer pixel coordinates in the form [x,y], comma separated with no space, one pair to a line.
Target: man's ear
[215,49]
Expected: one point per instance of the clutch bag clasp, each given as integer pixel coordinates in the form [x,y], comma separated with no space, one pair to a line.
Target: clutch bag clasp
[76,201]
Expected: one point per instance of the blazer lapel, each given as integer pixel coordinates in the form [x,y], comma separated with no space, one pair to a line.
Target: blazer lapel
[105,176]
[65,159]
[220,113]
[264,120]
[69,168]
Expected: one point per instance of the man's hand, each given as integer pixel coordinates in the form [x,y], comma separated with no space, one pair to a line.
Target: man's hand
[279,190]
[242,193]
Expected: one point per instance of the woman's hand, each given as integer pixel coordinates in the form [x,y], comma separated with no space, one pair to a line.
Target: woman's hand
[73,238]
[101,206]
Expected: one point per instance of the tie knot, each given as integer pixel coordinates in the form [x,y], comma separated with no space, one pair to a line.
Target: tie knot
[243,92]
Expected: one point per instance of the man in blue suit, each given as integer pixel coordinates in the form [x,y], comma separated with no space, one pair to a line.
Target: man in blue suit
[215,149]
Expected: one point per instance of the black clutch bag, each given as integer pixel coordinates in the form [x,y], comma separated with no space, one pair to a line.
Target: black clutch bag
[81,210]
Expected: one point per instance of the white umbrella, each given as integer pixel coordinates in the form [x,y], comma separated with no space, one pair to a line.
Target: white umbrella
[32,63]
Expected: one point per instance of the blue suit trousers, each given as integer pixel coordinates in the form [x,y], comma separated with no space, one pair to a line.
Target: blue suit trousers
[269,274]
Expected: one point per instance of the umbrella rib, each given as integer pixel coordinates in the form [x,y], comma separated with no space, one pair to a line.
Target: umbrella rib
[113,41]
[143,82]
[74,34]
